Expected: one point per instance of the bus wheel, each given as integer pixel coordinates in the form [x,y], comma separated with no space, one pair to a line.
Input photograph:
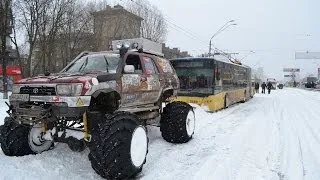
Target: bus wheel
[244,97]
[226,101]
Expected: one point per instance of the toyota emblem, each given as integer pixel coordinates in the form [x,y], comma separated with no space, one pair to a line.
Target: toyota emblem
[35,90]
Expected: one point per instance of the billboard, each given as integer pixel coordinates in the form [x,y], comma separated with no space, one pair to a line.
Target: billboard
[291,70]
[307,55]
[289,75]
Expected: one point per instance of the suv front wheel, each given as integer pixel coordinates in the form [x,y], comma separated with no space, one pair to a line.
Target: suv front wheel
[119,145]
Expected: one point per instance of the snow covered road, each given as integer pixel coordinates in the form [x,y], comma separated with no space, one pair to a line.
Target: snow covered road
[271,137]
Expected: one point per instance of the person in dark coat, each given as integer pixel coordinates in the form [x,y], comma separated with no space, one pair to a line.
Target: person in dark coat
[263,86]
[269,85]
[256,87]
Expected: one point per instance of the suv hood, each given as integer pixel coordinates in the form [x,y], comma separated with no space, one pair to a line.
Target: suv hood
[58,78]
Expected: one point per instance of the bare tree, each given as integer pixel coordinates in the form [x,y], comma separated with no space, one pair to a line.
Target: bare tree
[15,43]
[154,25]
[54,29]
[5,31]
[76,33]
[28,15]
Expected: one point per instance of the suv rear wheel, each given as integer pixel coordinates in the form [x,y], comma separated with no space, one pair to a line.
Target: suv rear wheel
[177,122]
[118,146]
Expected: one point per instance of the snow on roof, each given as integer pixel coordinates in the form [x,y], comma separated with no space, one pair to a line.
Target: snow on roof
[220,58]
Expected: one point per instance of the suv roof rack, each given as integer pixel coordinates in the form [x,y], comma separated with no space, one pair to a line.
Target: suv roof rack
[147,52]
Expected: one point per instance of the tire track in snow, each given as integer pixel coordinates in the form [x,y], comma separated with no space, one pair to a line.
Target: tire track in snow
[278,145]
[209,128]
[310,145]
[303,143]
[314,103]
[301,157]
[289,166]
[248,156]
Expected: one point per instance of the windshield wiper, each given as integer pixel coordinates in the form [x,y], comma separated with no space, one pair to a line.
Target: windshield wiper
[107,63]
[83,66]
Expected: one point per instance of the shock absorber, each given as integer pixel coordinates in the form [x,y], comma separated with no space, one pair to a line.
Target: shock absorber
[43,128]
[85,127]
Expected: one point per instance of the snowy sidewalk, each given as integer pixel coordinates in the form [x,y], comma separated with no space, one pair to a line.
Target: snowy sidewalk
[274,136]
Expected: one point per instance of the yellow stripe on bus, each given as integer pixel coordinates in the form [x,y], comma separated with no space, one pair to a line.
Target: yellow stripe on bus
[216,102]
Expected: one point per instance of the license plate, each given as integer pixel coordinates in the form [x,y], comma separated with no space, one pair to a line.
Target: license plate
[19,97]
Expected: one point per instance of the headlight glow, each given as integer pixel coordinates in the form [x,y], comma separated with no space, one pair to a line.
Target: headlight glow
[16,89]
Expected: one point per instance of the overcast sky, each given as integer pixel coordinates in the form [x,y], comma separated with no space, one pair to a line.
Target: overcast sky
[273,29]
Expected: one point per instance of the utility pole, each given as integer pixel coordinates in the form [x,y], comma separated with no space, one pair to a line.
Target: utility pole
[5,31]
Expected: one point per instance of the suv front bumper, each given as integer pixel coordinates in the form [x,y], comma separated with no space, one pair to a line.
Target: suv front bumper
[71,101]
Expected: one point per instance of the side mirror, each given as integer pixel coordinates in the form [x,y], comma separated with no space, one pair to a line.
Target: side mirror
[129,69]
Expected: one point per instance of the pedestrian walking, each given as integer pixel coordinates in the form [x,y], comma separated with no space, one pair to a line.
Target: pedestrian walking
[256,87]
[263,86]
[269,85]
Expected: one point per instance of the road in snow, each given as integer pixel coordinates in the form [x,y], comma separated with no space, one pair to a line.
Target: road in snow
[270,137]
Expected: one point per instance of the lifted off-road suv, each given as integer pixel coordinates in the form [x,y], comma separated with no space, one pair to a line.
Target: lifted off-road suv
[103,101]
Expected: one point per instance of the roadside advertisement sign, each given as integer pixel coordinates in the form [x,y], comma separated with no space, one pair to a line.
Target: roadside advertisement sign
[289,75]
[307,55]
[291,70]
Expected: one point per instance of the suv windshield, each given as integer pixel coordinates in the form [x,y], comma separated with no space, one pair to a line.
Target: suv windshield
[96,62]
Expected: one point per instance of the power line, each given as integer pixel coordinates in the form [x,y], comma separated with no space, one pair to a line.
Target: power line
[182,29]
[171,24]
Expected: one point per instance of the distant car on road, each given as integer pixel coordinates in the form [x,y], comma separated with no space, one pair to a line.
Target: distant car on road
[280,86]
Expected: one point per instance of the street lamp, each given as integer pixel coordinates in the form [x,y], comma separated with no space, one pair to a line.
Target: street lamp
[224,27]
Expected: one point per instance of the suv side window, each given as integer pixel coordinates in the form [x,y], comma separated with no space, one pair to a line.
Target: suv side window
[150,67]
[135,61]
[165,65]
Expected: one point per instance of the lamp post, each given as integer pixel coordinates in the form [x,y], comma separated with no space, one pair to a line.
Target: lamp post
[222,28]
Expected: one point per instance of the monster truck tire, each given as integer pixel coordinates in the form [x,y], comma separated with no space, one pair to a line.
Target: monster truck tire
[118,146]
[14,139]
[177,122]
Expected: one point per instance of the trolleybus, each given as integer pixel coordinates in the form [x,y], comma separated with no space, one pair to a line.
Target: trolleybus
[213,83]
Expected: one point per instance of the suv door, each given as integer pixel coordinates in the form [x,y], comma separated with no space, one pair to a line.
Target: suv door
[167,76]
[132,83]
[151,80]
[142,86]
